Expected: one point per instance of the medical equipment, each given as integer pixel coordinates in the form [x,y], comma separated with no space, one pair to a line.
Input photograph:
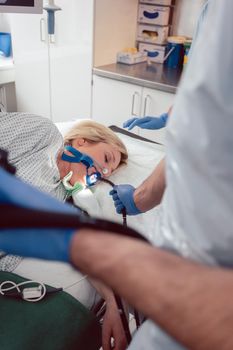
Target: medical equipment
[77,187]
[31,6]
[92,179]
[51,9]
[31,294]
[78,157]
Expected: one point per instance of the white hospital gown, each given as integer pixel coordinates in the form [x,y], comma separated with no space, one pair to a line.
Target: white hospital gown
[33,143]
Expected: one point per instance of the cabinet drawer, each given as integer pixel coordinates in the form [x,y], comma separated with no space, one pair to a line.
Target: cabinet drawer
[150,14]
[152,34]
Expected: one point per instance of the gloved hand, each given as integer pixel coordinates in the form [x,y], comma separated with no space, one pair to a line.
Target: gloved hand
[152,123]
[122,196]
[52,244]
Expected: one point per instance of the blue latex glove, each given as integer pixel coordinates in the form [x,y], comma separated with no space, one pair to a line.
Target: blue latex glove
[48,244]
[152,123]
[122,196]
[40,243]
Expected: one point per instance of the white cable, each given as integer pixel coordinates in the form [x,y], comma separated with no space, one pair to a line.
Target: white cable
[31,294]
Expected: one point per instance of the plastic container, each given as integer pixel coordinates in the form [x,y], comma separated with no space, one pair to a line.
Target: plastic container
[152,34]
[131,57]
[5,44]
[187,46]
[174,52]
[155,53]
[158,15]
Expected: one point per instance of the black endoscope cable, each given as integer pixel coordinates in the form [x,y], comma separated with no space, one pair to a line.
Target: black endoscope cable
[118,299]
[124,219]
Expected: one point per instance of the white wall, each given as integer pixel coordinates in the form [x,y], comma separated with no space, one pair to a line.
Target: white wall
[4,23]
[185,16]
[115,28]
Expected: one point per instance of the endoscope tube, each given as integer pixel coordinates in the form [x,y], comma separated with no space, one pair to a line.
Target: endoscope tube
[124,215]
[118,299]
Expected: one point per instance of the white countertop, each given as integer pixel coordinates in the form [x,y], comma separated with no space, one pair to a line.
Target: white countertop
[7,70]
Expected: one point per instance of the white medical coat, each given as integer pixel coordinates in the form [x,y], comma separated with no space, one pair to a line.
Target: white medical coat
[197,208]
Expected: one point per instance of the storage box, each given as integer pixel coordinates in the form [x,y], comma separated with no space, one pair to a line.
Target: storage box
[155,53]
[152,34]
[158,15]
[131,58]
[157,2]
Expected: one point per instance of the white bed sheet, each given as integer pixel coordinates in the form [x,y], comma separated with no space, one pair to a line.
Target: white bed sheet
[143,157]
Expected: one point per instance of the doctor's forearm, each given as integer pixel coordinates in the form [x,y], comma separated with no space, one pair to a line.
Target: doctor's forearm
[191,302]
[150,192]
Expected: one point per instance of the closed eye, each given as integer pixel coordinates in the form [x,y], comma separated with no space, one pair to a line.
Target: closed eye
[107,157]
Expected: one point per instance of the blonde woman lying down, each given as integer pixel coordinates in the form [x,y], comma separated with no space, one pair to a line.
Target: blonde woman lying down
[36,148]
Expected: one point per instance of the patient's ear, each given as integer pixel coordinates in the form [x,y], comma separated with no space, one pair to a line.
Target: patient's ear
[78,142]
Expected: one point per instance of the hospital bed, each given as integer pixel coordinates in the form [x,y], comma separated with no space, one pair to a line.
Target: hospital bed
[143,157]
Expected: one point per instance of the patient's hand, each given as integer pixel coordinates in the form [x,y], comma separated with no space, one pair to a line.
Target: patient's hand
[112,328]
[112,325]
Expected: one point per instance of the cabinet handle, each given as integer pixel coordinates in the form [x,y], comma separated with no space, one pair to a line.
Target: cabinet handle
[145,104]
[133,103]
[42,26]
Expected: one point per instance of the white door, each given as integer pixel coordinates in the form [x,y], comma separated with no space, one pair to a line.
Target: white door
[71,52]
[114,101]
[30,53]
[154,103]
[53,75]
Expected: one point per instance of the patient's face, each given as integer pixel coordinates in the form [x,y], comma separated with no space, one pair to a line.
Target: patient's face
[105,156]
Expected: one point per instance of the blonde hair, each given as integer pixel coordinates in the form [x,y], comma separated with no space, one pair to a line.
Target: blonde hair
[94,132]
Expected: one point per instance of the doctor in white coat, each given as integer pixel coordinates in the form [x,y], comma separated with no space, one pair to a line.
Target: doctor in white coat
[197,207]
[189,297]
